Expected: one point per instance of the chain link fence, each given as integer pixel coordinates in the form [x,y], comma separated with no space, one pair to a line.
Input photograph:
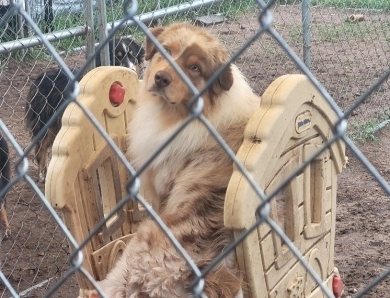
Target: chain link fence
[342,46]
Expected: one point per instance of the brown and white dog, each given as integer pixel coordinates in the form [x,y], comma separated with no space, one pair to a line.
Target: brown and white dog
[190,177]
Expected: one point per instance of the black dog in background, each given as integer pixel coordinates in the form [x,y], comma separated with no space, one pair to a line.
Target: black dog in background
[127,53]
[5,174]
[47,93]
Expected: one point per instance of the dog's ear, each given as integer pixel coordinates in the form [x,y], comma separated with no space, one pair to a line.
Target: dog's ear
[150,48]
[223,83]
[225,80]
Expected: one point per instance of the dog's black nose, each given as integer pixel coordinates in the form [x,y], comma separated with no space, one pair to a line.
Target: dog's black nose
[162,79]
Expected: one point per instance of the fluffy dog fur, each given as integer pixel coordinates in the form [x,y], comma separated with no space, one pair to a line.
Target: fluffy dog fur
[189,178]
[47,93]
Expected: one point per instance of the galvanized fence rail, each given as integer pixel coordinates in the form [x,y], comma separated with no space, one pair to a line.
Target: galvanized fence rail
[278,37]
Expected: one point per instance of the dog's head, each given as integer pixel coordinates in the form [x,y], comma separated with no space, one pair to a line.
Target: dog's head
[120,57]
[197,52]
[135,52]
[124,52]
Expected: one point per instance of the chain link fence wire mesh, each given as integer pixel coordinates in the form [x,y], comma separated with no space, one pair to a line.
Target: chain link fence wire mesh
[342,46]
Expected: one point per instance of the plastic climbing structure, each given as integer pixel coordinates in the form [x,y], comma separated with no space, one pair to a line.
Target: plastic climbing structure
[86,180]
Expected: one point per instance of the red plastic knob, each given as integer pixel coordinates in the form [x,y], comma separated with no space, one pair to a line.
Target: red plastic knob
[117,94]
[338,286]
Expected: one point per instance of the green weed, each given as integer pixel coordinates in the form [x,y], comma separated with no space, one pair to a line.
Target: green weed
[363,132]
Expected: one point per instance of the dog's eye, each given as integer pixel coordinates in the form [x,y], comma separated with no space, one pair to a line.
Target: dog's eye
[168,51]
[194,67]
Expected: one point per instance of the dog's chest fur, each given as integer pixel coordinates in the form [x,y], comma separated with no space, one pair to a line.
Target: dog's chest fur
[148,133]
[193,156]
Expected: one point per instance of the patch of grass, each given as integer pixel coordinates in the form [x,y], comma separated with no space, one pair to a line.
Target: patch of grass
[364,132]
[37,53]
[367,131]
[115,12]
[361,4]
[68,20]
[227,8]
[336,32]
[69,43]
[345,31]
[3,63]
[357,4]
[295,32]
[285,2]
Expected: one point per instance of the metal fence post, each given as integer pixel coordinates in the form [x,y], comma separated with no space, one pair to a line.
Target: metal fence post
[102,27]
[306,20]
[90,35]
[28,25]
[157,7]
[20,22]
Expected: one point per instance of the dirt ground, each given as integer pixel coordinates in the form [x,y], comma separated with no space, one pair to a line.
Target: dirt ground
[345,63]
